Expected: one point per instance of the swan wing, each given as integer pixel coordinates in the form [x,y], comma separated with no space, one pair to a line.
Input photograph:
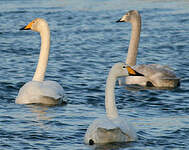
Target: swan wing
[125,127]
[52,89]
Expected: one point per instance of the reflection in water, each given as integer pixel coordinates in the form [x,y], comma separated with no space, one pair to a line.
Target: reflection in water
[112,146]
[138,88]
[39,113]
[162,123]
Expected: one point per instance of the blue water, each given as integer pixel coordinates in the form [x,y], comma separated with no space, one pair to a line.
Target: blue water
[85,43]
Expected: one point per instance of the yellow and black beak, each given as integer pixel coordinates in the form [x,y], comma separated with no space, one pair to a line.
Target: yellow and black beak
[132,72]
[27,27]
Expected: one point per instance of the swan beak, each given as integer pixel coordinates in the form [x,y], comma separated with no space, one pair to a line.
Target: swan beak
[132,72]
[27,27]
[120,20]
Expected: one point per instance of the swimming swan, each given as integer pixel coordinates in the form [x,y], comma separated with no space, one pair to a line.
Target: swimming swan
[38,90]
[112,128]
[154,74]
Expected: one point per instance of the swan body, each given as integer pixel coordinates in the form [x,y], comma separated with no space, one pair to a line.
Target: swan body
[105,130]
[46,92]
[154,74]
[38,90]
[112,128]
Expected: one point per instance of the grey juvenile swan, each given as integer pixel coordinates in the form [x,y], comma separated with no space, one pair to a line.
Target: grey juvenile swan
[38,90]
[112,127]
[155,75]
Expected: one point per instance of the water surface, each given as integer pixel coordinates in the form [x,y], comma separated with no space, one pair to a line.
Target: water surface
[85,43]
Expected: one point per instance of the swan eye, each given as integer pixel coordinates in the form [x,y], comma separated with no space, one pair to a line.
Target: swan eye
[124,67]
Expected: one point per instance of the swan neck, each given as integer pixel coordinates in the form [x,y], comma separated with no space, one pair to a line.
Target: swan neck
[134,42]
[111,109]
[44,54]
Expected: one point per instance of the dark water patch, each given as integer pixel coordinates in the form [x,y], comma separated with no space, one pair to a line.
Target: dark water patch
[56,123]
[17,12]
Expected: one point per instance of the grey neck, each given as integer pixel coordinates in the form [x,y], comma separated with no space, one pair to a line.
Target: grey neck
[111,109]
[134,42]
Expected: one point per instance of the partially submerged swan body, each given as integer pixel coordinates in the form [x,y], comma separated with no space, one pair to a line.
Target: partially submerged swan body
[112,128]
[39,91]
[36,92]
[105,130]
[155,75]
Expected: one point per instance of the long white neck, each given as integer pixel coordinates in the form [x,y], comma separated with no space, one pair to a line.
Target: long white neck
[111,109]
[134,42]
[44,54]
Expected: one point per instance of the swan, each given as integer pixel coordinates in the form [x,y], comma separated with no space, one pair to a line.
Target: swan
[112,128]
[38,90]
[155,75]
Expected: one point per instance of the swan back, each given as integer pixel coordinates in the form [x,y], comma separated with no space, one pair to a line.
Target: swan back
[158,75]
[105,130]
[46,92]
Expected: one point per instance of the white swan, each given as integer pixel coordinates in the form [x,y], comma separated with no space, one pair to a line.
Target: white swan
[112,128]
[154,74]
[38,90]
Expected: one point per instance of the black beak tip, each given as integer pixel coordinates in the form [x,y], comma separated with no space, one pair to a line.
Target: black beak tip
[118,20]
[136,74]
[139,74]
[22,28]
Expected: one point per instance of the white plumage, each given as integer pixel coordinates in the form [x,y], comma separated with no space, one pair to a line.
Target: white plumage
[46,92]
[109,130]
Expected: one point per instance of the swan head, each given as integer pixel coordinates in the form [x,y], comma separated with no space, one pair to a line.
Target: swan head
[37,25]
[130,16]
[122,69]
